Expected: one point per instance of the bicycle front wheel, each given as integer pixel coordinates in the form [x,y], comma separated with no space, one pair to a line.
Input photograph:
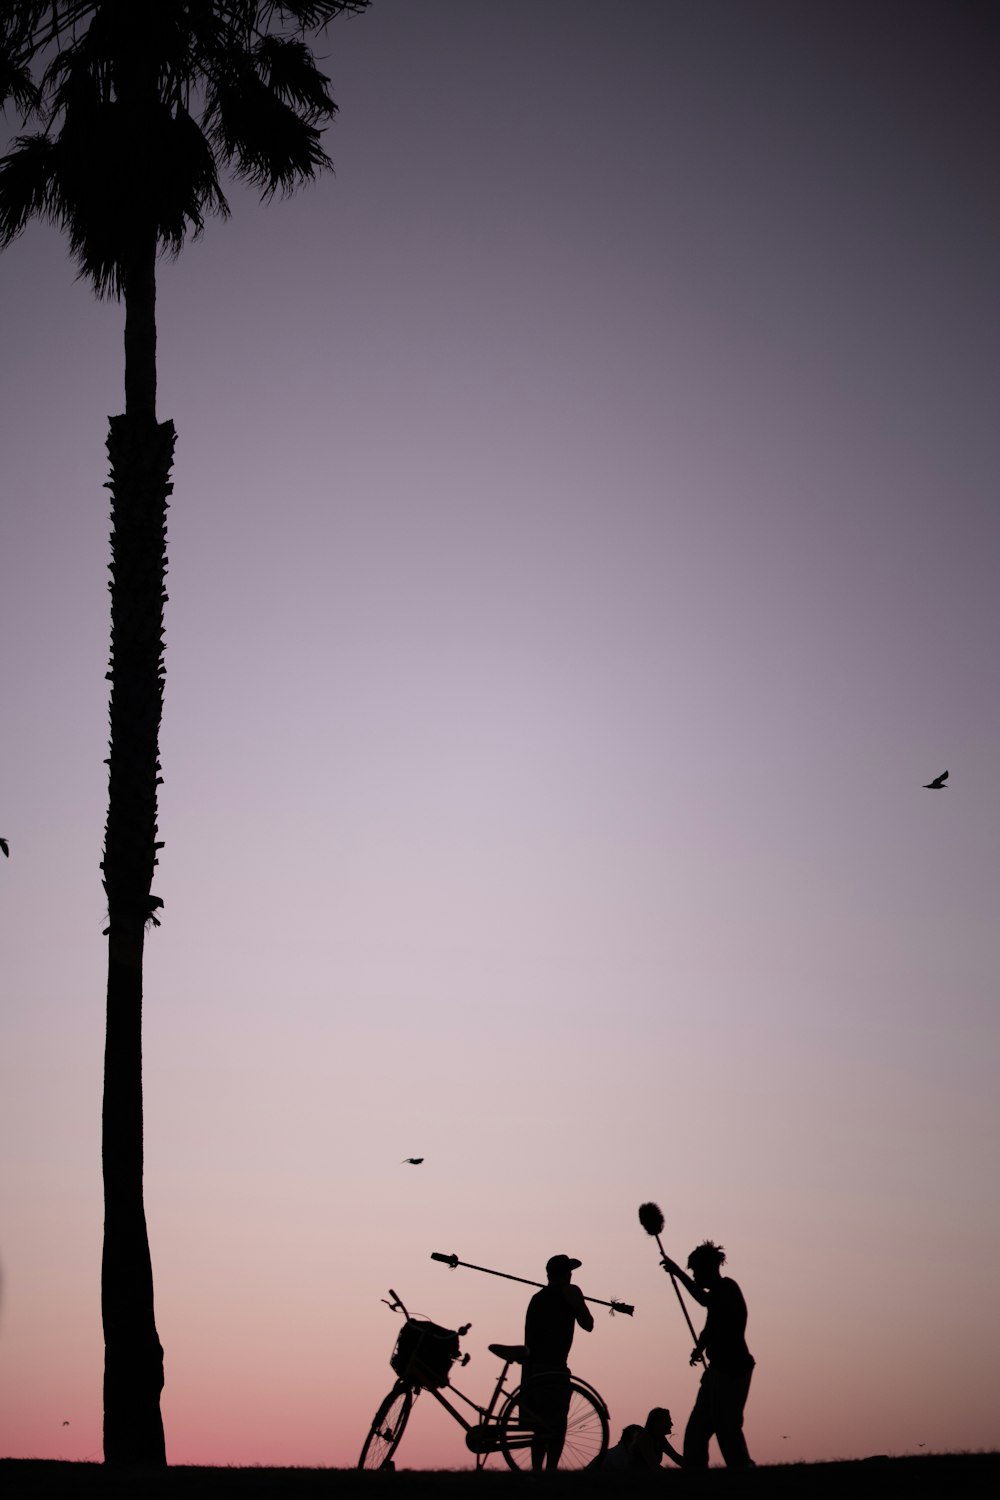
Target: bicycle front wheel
[586,1428]
[388,1425]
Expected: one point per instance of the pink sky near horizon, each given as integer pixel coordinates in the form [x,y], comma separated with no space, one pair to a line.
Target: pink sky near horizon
[583,547]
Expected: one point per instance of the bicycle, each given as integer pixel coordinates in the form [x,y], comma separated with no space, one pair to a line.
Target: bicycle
[422,1359]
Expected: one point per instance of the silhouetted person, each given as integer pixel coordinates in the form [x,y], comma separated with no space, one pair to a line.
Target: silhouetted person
[725,1384]
[651,1444]
[551,1320]
[620,1456]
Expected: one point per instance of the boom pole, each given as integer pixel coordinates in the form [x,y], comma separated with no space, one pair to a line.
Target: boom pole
[453,1261]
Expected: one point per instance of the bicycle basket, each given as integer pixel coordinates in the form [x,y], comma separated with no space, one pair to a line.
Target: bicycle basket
[424,1353]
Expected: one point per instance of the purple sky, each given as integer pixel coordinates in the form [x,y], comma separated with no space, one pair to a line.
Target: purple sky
[584,546]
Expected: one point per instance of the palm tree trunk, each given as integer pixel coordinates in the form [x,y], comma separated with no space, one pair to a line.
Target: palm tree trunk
[141,454]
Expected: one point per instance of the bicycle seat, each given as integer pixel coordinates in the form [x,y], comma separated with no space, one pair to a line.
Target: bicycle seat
[514,1354]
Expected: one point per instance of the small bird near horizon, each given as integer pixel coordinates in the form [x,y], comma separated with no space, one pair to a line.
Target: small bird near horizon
[938,784]
[5,847]
[412,1161]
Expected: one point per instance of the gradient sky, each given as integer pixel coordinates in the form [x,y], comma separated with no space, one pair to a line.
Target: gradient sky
[584,545]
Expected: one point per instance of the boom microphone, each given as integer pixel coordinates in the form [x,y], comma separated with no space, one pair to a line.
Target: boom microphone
[651,1219]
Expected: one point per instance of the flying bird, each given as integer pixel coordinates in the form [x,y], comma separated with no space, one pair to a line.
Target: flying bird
[938,784]
[412,1161]
[5,847]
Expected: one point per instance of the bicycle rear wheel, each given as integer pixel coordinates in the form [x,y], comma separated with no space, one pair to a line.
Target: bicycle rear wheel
[586,1429]
[388,1425]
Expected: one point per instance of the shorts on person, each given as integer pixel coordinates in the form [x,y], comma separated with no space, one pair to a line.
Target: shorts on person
[545,1393]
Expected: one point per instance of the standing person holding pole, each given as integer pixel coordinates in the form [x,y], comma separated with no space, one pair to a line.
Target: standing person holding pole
[725,1385]
[552,1318]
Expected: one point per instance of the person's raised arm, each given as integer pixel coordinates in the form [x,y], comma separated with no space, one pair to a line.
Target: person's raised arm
[690,1286]
[581,1311]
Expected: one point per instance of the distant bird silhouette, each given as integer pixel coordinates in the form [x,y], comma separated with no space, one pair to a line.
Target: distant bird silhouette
[938,784]
[5,847]
[412,1161]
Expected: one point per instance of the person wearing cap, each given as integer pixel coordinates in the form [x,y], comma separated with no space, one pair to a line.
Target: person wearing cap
[725,1385]
[550,1323]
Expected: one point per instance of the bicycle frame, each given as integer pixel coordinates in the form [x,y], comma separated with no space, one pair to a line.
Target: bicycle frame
[483,1437]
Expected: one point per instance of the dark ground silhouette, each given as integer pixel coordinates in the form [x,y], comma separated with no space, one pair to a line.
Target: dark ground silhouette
[936,1476]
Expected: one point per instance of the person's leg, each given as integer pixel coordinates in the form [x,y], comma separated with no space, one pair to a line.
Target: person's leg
[529,1417]
[558,1405]
[545,1408]
[700,1426]
[731,1398]
[553,1451]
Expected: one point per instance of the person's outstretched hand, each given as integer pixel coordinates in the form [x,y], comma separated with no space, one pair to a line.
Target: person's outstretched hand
[671,1266]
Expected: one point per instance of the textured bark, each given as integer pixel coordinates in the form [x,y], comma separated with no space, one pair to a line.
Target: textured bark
[141,453]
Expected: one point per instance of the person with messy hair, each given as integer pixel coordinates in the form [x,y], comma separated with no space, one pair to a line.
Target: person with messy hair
[725,1385]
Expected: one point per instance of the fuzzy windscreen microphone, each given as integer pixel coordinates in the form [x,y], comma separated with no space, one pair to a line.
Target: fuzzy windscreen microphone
[651,1219]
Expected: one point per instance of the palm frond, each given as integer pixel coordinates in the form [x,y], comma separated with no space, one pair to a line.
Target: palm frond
[310,15]
[118,161]
[123,184]
[28,185]
[18,86]
[261,138]
[16,82]
[289,70]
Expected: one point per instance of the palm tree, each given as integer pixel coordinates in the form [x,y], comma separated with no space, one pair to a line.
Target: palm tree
[142,107]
